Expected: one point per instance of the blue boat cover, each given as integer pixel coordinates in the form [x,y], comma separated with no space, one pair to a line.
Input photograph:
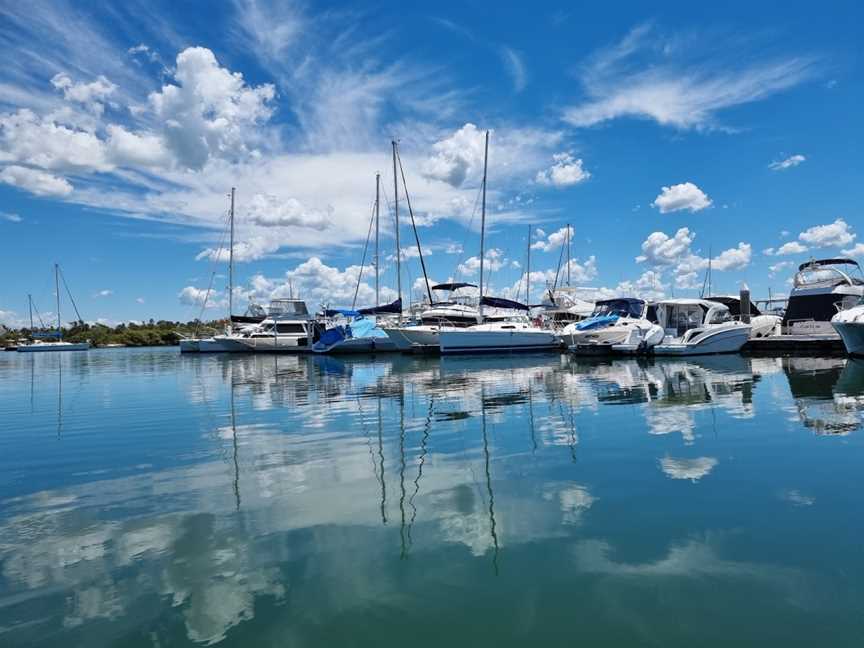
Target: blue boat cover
[47,334]
[330,337]
[347,312]
[600,321]
[498,302]
[366,328]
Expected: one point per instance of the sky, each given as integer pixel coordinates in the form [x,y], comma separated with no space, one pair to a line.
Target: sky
[664,136]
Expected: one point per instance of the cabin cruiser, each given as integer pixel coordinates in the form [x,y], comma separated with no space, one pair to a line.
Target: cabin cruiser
[514,333]
[698,327]
[761,325]
[611,322]
[821,288]
[561,307]
[459,311]
[288,328]
[688,327]
[849,325]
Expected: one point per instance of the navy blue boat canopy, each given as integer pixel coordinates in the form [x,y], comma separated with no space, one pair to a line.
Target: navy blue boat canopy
[498,302]
[821,262]
[453,286]
[393,307]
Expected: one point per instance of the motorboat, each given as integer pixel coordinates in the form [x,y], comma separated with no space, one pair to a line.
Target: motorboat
[288,328]
[515,333]
[562,306]
[698,327]
[761,325]
[459,311]
[821,288]
[611,322]
[849,325]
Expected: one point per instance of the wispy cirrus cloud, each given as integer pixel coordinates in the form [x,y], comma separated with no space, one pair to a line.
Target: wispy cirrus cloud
[677,81]
[515,66]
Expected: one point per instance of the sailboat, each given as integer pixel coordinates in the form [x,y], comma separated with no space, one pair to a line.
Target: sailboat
[514,333]
[38,344]
[229,341]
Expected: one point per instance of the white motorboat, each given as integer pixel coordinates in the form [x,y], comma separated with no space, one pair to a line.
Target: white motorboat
[821,288]
[611,322]
[849,324]
[698,327]
[288,328]
[516,333]
[761,325]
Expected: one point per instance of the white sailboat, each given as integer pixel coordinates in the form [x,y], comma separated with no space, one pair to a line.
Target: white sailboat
[515,333]
[39,345]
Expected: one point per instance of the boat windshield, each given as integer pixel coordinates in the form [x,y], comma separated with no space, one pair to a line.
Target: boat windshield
[680,318]
[287,308]
[823,275]
[620,307]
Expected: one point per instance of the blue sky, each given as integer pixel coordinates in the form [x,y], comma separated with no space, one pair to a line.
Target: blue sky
[662,135]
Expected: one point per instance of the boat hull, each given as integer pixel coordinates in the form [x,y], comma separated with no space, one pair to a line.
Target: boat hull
[281,344]
[473,341]
[852,334]
[397,336]
[54,346]
[725,341]
[211,345]
[361,345]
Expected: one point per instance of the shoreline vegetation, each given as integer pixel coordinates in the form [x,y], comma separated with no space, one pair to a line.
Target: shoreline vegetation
[151,333]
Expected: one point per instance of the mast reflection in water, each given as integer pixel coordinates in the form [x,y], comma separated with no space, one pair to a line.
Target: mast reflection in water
[148,498]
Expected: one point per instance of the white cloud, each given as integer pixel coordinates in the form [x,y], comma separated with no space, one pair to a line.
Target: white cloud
[554,241]
[788,163]
[494,262]
[834,234]
[251,248]
[139,300]
[661,250]
[103,293]
[792,247]
[12,218]
[192,296]
[856,251]
[733,258]
[778,267]
[692,469]
[270,211]
[35,181]
[126,148]
[91,95]
[515,66]
[565,172]
[211,111]
[681,196]
[682,85]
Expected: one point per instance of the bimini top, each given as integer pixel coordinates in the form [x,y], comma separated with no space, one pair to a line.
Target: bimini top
[498,302]
[452,286]
[824,262]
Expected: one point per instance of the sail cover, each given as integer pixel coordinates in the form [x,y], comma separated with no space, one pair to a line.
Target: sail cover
[452,286]
[394,307]
[498,302]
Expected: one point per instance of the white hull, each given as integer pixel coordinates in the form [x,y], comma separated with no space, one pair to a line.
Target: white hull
[276,344]
[218,344]
[397,336]
[361,345]
[852,334]
[472,340]
[728,340]
[54,346]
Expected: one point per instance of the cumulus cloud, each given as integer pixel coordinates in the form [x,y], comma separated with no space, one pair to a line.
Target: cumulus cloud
[792,247]
[788,163]
[681,196]
[211,111]
[554,241]
[251,248]
[660,249]
[270,211]
[456,156]
[778,267]
[35,181]
[565,172]
[649,76]
[856,251]
[192,296]
[834,234]
[733,258]
[103,293]
[91,95]
[494,262]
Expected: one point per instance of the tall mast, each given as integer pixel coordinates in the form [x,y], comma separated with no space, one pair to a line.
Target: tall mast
[398,245]
[377,232]
[709,271]
[568,255]
[57,289]
[30,304]
[231,263]
[483,220]
[528,272]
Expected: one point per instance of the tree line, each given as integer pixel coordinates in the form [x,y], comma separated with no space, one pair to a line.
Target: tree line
[150,333]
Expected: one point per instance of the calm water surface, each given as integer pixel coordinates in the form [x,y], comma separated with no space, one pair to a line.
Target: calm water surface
[149,499]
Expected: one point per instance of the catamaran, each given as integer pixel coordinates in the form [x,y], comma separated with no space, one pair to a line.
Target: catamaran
[38,343]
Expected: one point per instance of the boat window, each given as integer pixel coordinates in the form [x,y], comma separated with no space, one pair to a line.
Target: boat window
[284,308]
[683,317]
[719,316]
[290,328]
[820,275]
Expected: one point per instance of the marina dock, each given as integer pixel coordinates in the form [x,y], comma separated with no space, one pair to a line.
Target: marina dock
[795,345]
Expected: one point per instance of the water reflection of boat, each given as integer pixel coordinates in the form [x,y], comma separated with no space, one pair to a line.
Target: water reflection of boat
[828,393]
